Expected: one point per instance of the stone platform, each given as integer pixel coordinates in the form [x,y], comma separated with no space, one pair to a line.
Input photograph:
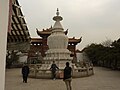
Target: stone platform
[37,72]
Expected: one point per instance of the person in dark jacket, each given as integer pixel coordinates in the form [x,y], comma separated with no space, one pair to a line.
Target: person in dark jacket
[54,68]
[68,76]
[25,72]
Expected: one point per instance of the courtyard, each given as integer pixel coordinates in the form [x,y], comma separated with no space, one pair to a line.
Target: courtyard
[103,79]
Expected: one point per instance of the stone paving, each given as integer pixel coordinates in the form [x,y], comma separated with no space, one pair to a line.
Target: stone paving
[103,79]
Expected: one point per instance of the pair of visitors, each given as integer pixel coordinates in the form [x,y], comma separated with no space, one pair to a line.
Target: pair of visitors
[67,74]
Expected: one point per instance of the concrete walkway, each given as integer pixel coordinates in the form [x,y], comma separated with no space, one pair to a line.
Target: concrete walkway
[104,79]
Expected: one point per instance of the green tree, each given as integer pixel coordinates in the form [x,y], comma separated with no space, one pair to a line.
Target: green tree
[106,56]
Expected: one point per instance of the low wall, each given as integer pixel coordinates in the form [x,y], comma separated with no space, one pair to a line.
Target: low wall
[35,72]
[83,72]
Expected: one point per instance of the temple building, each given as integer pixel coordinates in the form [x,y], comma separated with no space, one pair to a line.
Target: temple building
[39,45]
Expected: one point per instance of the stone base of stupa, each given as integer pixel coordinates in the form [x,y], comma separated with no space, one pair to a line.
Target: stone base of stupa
[43,71]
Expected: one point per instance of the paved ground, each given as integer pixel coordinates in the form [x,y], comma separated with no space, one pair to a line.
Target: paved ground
[104,79]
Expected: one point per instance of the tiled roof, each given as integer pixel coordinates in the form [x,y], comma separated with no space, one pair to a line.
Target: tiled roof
[19,30]
[18,35]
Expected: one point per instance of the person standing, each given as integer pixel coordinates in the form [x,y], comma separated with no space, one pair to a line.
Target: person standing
[68,76]
[54,68]
[25,72]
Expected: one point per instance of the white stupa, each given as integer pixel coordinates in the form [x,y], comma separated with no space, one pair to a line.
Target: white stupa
[58,52]
[57,43]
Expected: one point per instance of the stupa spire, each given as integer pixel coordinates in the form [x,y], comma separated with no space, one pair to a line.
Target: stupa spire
[57,18]
[57,13]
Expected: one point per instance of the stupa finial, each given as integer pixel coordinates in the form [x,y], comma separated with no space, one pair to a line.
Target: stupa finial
[57,13]
[57,18]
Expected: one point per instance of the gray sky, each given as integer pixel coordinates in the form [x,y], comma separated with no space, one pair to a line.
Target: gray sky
[94,20]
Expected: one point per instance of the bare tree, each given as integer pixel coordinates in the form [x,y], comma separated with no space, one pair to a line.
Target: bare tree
[107,42]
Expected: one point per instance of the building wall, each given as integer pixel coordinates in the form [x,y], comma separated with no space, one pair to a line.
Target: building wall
[43,48]
[4,4]
[79,57]
[35,47]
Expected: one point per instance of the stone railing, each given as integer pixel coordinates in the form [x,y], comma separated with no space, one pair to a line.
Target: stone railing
[37,72]
[83,72]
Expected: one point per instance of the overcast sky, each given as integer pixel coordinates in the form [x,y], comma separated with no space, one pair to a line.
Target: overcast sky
[94,20]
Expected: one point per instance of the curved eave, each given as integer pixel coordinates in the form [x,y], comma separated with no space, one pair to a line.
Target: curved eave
[43,33]
[47,32]
[36,40]
[74,40]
